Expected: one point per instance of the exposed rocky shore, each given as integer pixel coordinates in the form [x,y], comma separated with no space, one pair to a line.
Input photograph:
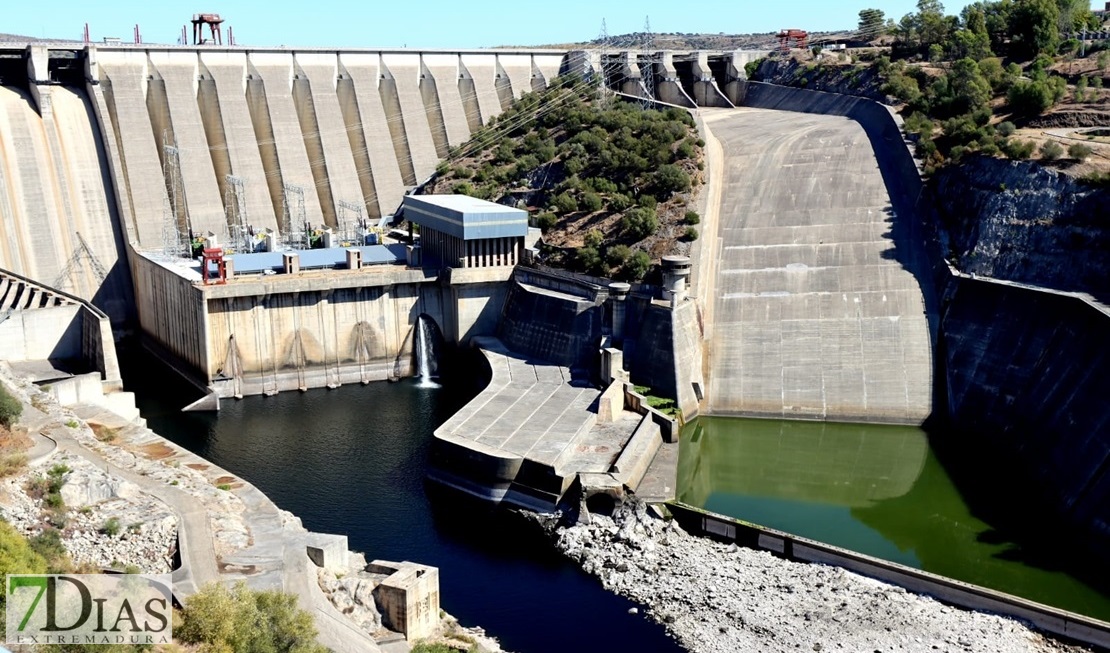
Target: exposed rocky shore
[722,598]
[110,522]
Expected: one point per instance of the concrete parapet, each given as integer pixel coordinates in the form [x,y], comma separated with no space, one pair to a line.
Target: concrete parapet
[328,551]
[633,462]
[408,598]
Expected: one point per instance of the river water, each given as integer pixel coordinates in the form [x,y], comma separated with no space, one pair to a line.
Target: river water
[352,461]
[878,490]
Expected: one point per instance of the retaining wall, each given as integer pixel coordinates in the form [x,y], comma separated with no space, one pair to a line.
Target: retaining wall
[964,595]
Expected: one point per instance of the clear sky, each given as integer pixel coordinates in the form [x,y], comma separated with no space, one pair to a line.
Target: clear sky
[431,23]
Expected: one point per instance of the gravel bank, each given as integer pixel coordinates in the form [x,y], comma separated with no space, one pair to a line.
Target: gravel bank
[722,598]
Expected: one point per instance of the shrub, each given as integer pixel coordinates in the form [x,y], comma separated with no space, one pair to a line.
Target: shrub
[1035,97]
[640,223]
[672,179]
[601,185]
[1006,129]
[647,201]
[620,202]
[546,221]
[591,201]
[692,217]
[48,545]
[691,233]
[617,256]
[16,557]
[588,258]
[12,464]
[10,408]
[1079,151]
[1051,150]
[594,238]
[637,266]
[463,172]
[1017,149]
[565,203]
[110,527]
[241,620]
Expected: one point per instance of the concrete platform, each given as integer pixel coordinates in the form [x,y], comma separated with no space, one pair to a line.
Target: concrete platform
[530,434]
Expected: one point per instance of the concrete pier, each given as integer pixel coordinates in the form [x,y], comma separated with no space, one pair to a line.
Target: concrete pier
[535,431]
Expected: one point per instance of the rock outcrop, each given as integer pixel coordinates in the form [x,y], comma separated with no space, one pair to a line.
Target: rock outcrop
[715,597]
[1024,222]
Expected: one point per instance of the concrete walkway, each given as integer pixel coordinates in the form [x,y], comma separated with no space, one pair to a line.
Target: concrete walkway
[276,557]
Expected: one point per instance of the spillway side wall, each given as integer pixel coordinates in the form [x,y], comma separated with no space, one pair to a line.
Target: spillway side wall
[1027,375]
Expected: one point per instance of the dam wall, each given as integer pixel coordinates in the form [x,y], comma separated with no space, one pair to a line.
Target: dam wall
[1027,373]
[58,211]
[315,136]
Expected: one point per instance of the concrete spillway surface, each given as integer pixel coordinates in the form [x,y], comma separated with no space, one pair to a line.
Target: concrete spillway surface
[814,314]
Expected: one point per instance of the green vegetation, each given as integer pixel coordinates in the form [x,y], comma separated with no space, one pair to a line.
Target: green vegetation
[11,464]
[1079,152]
[110,527]
[608,170]
[72,423]
[16,557]
[10,408]
[954,73]
[237,619]
[1051,150]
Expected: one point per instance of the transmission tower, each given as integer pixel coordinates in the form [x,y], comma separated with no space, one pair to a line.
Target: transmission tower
[235,209]
[647,64]
[175,212]
[83,252]
[349,219]
[293,213]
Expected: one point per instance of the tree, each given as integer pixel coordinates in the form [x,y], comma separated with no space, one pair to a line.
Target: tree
[640,223]
[871,23]
[971,91]
[1034,26]
[588,258]
[637,266]
[240,620]
[1074,15]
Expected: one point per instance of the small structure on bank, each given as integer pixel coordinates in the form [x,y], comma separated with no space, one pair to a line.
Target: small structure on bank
[460,231]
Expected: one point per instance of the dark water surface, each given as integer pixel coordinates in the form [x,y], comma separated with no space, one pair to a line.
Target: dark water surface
[878,490]
[352,461]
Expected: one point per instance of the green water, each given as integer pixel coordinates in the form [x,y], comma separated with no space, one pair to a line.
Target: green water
[878,490]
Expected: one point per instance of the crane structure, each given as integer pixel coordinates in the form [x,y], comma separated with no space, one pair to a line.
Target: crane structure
[213,21]
[799,36]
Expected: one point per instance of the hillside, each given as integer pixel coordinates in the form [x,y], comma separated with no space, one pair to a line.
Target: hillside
[608,182]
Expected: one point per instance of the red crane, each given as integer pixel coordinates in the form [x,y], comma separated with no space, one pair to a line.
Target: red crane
[798,36]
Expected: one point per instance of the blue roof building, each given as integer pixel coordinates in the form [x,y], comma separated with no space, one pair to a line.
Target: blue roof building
[464,231]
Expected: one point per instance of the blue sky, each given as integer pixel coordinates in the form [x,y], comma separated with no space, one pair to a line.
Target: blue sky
[430,23]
